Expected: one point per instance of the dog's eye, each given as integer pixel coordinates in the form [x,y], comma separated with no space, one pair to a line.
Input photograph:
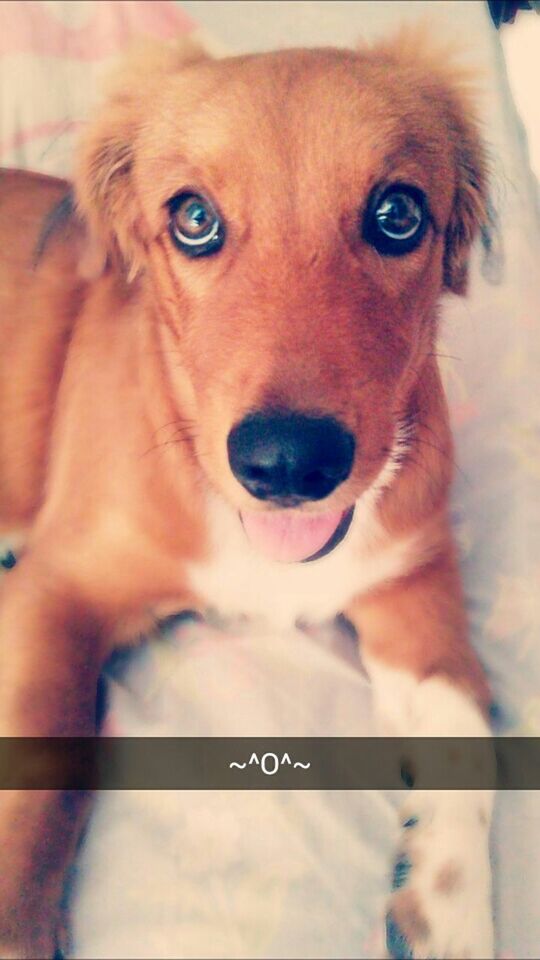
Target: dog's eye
[395,220]
[194,225]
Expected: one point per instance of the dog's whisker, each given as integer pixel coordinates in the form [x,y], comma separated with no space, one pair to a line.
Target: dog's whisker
[445,356]
[182,435]
[179,423]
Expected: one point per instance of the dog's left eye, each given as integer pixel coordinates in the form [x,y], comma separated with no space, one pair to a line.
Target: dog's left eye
[395,220]
[194,225]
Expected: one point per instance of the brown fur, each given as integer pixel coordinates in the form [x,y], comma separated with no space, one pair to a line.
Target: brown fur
[122,360]
[409,918]
[448,879]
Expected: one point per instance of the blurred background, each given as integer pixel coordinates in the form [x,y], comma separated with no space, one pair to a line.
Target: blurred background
[521,44]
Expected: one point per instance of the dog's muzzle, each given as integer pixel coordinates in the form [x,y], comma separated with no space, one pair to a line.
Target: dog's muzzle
[289,458]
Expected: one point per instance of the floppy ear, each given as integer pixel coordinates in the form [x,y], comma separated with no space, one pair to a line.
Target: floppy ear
[470,205]
[453,87]
[103,178]
[102,191]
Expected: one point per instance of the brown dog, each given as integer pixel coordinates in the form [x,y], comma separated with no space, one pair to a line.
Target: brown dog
[220,365]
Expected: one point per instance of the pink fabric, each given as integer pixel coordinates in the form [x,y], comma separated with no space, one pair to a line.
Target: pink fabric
[52,56]
[51,128]
[38,28]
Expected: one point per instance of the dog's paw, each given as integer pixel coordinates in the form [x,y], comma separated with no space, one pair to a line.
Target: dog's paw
[440,907]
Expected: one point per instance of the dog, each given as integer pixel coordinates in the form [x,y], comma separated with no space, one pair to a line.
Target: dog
[219,391]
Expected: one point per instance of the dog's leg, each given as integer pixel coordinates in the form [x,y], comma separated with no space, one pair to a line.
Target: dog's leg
[427,682]
[50,657]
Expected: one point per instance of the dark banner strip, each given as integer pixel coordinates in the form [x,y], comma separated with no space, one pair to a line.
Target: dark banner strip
[252,763]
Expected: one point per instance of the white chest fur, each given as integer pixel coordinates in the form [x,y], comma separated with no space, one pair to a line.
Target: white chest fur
[238,582]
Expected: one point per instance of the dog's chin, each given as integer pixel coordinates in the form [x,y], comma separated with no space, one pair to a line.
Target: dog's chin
[291,536]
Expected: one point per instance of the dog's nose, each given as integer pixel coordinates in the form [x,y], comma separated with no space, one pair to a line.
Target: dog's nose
[288,456]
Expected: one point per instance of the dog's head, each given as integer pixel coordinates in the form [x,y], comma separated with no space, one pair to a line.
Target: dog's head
[293,218]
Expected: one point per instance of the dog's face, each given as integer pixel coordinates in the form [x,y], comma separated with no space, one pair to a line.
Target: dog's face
[295,217]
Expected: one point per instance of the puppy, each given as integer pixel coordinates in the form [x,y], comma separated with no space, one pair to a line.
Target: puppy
[219,391]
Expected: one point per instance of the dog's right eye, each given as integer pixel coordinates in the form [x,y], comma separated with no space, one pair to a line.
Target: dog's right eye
[194,225]
[396,219]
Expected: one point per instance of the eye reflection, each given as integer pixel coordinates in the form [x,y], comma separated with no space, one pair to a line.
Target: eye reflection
[194,225]
[396,220]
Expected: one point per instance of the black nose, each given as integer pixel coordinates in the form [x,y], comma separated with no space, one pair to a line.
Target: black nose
[290,457]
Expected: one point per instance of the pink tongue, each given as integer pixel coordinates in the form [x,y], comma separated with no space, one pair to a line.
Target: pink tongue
[288,535]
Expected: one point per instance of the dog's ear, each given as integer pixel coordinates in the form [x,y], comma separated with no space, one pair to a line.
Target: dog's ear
[103,177]
[469,210]
[437,68]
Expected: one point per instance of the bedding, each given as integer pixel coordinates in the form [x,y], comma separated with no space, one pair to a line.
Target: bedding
[298,874]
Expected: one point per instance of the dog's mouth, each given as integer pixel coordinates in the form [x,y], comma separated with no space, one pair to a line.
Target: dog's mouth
[290,536]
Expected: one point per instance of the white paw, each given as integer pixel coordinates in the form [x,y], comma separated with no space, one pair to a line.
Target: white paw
[440,908]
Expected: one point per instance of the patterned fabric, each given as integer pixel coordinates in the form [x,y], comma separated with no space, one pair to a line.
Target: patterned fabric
[52,55]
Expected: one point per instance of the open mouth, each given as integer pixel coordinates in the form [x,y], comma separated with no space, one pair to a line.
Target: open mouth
[290,536]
